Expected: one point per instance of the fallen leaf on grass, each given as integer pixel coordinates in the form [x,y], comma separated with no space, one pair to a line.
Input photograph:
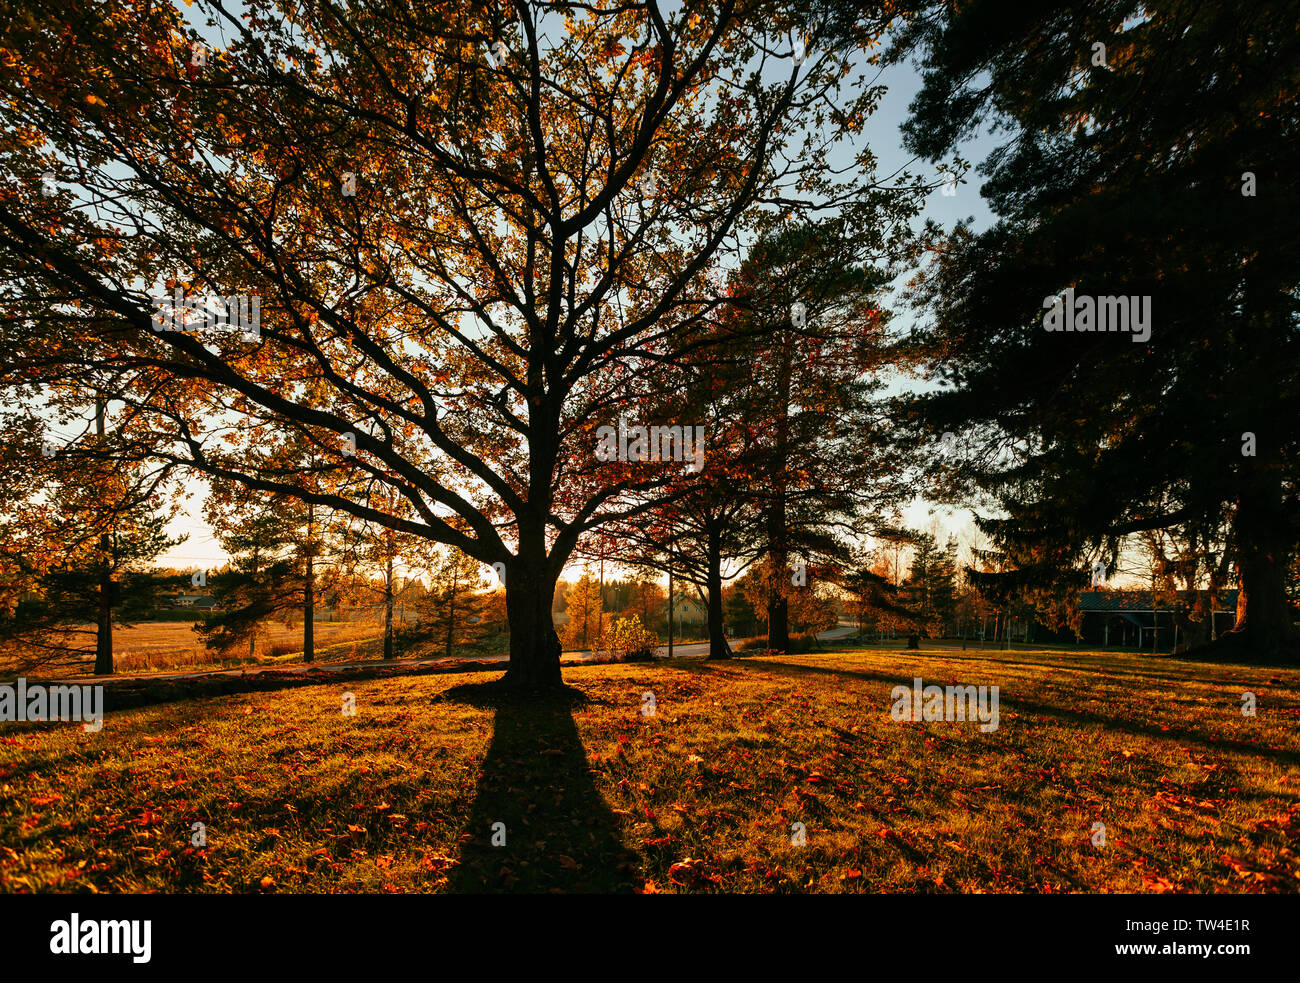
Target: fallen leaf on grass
[689,872]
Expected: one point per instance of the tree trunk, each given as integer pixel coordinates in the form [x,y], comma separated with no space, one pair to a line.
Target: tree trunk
[451,607]
[778,623]
[309,593]
[534,645]
[252,631]
[718,648]
[1263,630]
[104,623]
[1262,529]
[388,609]
[778,606]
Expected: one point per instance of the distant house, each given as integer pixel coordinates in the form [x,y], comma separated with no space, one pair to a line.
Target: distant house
[687,611]
[1139,619]
[202,602]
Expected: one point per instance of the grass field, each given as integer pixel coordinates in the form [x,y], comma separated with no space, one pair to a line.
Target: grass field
[172,646]
[701,796]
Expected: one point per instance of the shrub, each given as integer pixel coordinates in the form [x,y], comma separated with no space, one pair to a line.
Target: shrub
[799,644]
[630,641]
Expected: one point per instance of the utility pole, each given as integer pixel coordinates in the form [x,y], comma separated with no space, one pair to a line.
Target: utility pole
[1155,614]
[309,591]
[670,609]
[104,628]
[388,604]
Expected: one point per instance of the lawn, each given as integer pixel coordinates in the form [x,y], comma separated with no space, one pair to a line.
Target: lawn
[172,646]
[702,796]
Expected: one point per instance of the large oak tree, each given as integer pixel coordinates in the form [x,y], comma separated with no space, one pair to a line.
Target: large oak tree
[471,227]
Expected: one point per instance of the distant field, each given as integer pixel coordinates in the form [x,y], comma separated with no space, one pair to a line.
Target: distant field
[167,646]
[701,796]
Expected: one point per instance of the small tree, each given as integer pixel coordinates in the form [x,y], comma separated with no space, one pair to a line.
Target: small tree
[80,525]
[647,601]
[276,544]
[628,640]
[583,606]
[455,608]
[381,549]
[260,581]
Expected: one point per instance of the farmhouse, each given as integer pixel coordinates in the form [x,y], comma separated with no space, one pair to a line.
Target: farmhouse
[1139,619]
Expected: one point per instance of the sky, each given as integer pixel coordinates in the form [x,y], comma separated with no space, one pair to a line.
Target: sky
[883,134]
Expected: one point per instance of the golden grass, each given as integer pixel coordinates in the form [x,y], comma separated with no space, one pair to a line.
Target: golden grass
[172,646]
[702,796]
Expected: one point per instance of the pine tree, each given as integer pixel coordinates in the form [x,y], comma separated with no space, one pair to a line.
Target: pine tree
[929,587]
[80,525]
[259,533]
[585,614]
[1151,155]
[454,609]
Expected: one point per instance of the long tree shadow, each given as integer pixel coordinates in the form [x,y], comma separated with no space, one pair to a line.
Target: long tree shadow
[1110,722]
[1083,668]
[538,824]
